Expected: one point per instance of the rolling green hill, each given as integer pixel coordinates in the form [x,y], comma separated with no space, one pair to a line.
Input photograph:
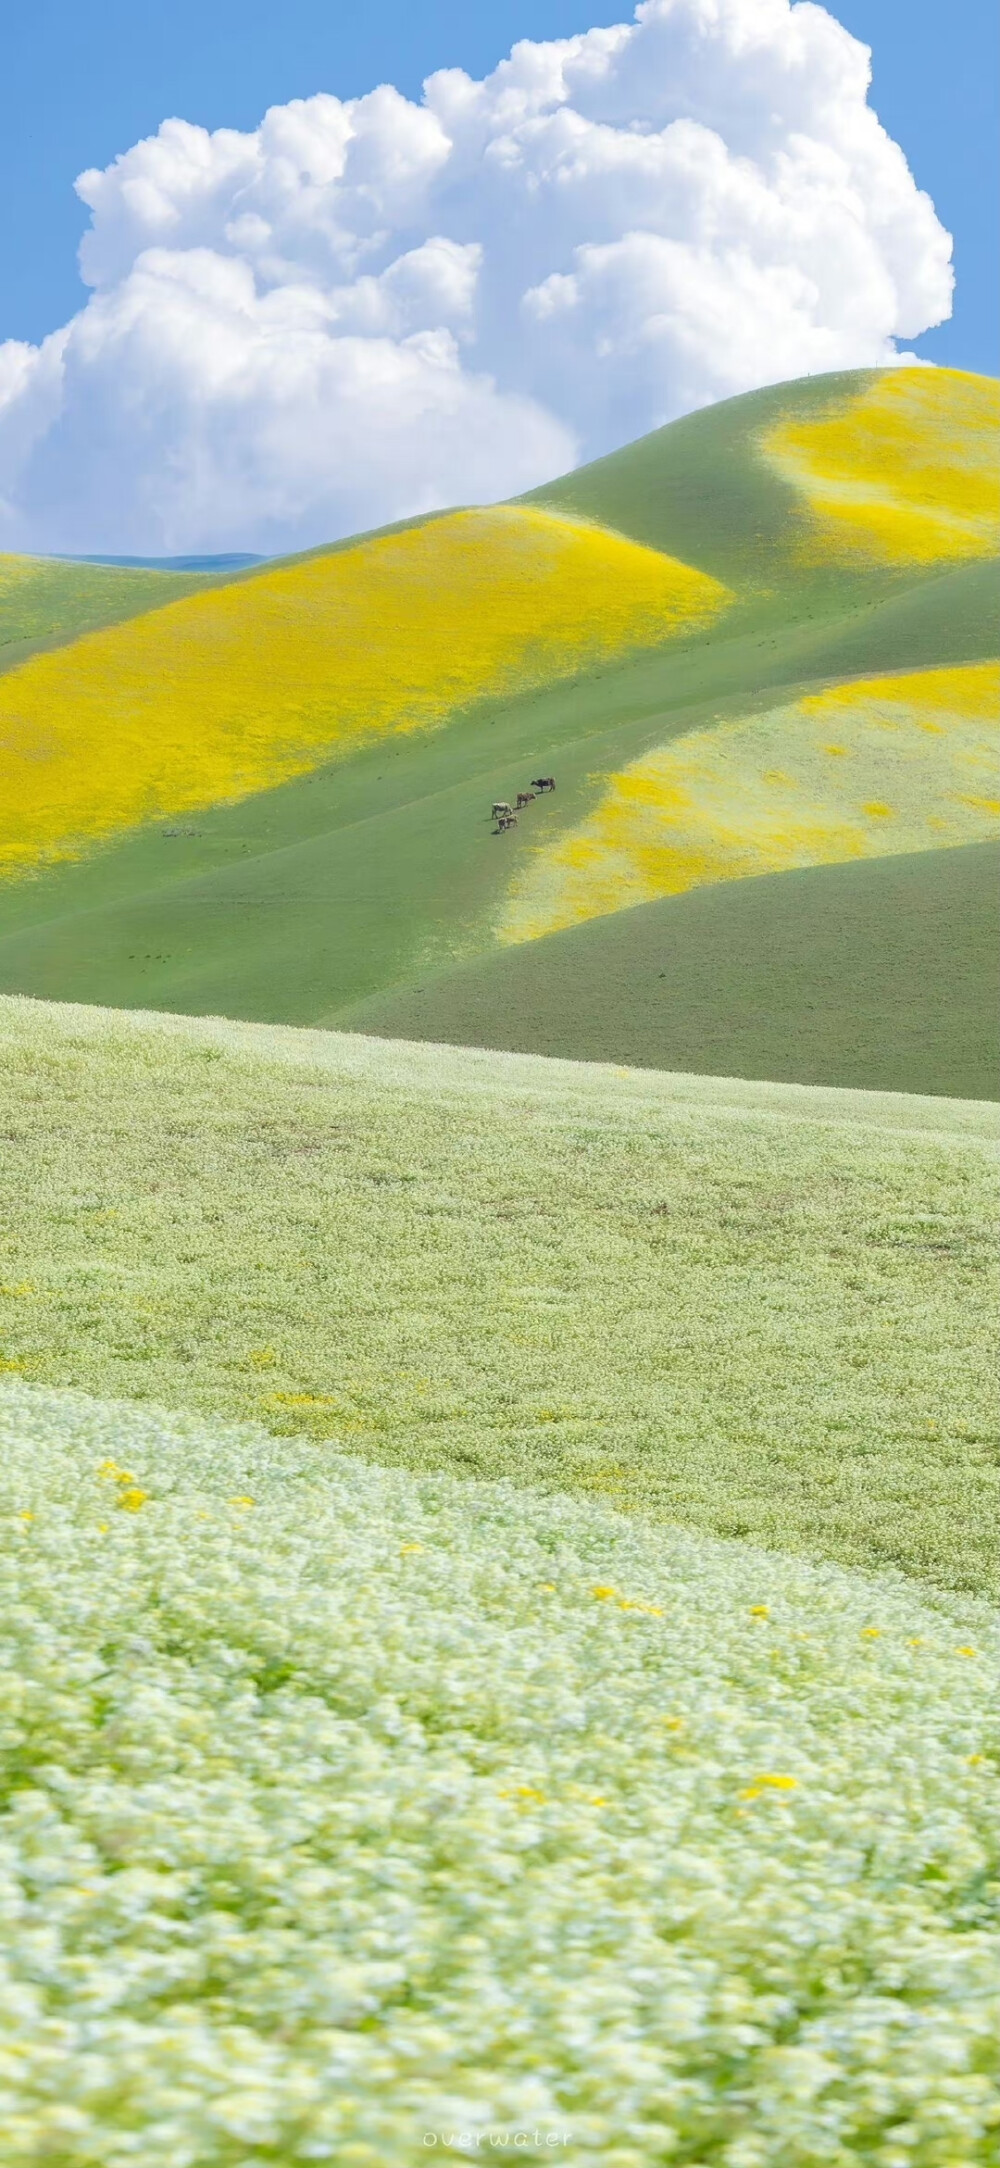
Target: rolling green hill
[751,644]
[758,1309]
[779,977]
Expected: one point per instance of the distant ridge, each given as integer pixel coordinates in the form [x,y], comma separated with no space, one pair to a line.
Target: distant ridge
[234,561]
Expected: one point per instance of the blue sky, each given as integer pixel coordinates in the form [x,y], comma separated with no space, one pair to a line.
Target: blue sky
[82,83]
[368,305]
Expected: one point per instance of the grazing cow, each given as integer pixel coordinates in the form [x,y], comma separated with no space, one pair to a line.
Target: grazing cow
[506,820]
[500,806]
[543,782]
[525,797]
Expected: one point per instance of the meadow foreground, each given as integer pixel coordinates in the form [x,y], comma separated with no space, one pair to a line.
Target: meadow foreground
[463,1690]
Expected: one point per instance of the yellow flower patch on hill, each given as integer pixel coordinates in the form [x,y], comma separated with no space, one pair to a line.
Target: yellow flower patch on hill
[883,765]
[235,690]
[906,471]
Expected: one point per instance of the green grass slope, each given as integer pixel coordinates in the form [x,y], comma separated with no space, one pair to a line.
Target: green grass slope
[354,1815]
[356,882]
[695,489]
[761,1310]
[774,977]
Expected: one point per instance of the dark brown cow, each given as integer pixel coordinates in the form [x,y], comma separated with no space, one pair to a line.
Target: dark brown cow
[543,782]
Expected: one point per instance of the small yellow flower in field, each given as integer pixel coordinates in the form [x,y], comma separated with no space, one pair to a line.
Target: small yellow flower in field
[837,750]
[241,1501]
[131,1498]
[548,1588]
[408,1547]
[604,1592]
[130,1495]
[598,1800]
[760,1785]
[102,1528]
[976,1760]
[527,1791]
[672,1723]
[23,1287]
[966,1651]
[871,1633]
[876,811]
[760,1610]
[10,1362]
[262,1357]
[26,1516]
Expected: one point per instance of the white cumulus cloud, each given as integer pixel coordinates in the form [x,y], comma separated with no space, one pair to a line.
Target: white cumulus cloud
[367,308]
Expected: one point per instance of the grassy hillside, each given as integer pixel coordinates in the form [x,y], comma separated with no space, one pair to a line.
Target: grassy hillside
[675,656]
[778,977]
[758,1310]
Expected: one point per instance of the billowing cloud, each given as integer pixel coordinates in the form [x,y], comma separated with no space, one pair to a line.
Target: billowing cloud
[367,308]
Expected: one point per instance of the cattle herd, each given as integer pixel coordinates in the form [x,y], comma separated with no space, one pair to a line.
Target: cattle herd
[505,815]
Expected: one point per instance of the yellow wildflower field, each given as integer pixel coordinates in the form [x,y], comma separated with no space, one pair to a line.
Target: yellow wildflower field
[862,770]
[221,694]
[907,471]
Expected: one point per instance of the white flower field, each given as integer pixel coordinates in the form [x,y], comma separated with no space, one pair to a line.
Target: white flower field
[349,1809]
